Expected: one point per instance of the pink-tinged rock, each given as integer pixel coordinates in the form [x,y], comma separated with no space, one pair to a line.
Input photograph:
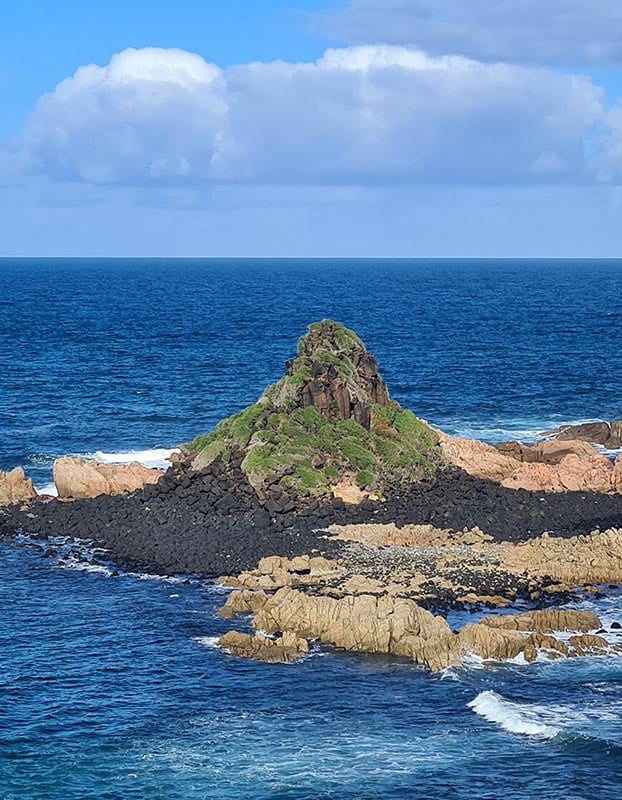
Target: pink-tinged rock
[477,458]
[15,487]
[534,478]
[574,474]
[77,478]
[594,474]
[617,475]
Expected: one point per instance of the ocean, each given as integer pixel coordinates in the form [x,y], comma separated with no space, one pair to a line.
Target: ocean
[111,685]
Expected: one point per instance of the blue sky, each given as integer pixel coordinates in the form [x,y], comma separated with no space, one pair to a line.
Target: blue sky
[307,128]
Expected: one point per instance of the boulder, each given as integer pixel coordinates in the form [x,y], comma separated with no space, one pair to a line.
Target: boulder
[477,458]
[588,645]
[243,602]
[15,487]
[349,492]
[497,644]
[573,473]
[77,478]
[596,432]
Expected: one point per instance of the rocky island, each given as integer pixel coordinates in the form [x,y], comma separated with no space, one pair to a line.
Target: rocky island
[334,514]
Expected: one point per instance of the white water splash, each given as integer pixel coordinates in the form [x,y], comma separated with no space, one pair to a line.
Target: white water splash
[513,717]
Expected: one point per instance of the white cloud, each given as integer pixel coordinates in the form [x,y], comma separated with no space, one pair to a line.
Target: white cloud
[607,157]
[363,116]
[570,32]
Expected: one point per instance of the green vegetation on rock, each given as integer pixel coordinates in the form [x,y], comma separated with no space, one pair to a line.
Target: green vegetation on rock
[297,434]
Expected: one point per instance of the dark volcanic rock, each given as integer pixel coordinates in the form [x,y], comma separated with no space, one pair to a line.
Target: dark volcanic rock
[347,385]
[604,433]
[212,522]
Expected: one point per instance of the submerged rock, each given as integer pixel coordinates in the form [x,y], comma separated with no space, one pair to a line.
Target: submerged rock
[284,648]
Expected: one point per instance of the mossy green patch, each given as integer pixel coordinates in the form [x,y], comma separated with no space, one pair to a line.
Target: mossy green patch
[283,439]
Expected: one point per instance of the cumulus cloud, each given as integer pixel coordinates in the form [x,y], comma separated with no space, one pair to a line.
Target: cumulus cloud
[568,32]
[369,115]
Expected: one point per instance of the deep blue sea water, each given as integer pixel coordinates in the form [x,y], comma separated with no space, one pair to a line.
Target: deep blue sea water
[111,687]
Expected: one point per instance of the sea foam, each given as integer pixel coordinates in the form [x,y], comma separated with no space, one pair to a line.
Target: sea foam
[512,717]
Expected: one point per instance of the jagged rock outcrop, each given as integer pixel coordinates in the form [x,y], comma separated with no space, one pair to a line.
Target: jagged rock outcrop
[546,620]
[362,623]
[382,623]
[328,423]
[15,487]
[343,380]
[77,478]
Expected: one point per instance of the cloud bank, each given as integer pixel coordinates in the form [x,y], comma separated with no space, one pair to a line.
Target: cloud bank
[368,115]
[559,32]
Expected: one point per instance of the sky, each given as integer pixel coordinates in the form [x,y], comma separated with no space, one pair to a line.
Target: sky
[311,128]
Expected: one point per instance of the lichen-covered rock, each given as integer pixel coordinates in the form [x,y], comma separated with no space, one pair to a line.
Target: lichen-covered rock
[77,478]
[15,487]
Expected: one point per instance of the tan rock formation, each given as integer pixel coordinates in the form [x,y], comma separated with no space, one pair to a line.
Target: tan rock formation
[486,642]
[285,648]
[243,602]
[15,487]
[592,559]
[362,623]
[573,473]
[477,458]
[78,478]
[366,623]
[546,621]
[552,466]
[589,645]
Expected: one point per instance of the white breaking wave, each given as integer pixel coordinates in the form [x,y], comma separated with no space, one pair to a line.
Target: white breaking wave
[513,717]
[207,641]
[48,488]
[499,430]
[156,457]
